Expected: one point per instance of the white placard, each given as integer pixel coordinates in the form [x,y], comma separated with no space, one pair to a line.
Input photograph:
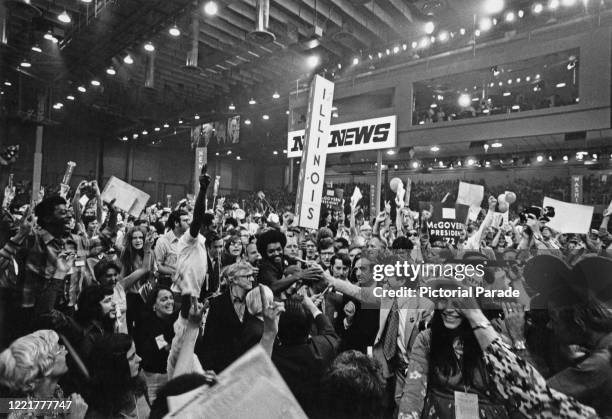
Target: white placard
[368,134]
[472,195]
[127,197]
[312,167]
[569,218]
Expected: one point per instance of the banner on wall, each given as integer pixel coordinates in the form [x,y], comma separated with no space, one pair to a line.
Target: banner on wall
[233,129]
[577,189]
[312,167]
[369,134]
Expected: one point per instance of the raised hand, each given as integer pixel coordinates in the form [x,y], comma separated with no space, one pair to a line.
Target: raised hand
[204,178]
[514,317]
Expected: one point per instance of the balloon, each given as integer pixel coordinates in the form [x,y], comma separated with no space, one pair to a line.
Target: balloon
[503,207]
[394,183]
[510,197]
[501,197]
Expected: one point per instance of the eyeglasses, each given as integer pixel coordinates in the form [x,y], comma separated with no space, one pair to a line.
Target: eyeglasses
[61,349]
[413,234]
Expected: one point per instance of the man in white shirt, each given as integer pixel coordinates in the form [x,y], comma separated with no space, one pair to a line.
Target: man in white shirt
[166,248]
[192,260]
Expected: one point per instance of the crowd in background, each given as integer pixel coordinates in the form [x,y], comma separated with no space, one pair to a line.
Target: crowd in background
[121,311]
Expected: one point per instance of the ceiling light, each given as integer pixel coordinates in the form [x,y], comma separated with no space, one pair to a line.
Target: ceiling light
[134,136]
[396,49]
[441,163]
[49,36]
[180,121]
[275,152]
[538,8]
[540,158]
[435,149]
[275,95]
[58,105]
[388,51]
[211,8]
[462,31]
[166,126]
[470,162]
[229,152]
[247,121]
[217,153]
[157,129]
[70,97]
[196,117]
[485,24]
[568,3]
[560,85]
[284,151]
[265,117]
[429,27]
[355,61]
[415,164]
[516,107]
[464,100]
[521,13]
[510,17]
[424,43]
[36,48]
[391,152]
[443,36]
[128,59]
[25,63]
[493,6]
[81,89]
[8,83]
[124,138]
[174,30]
[414,44]
[252,101]
[95,82]
[433,105]
[496,144]
[237,157]
[507,93]
[312,61]
[111,71]
[553,4]
[64,17]
[145,132]
[477,32]
[149,47]
[86,1]
[404,47]
[287,112]
[231,107]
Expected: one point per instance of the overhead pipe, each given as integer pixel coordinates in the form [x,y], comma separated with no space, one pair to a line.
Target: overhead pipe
[261,34]
[192,55]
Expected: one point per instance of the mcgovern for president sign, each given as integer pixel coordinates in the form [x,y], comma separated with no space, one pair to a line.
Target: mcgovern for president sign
[369,134]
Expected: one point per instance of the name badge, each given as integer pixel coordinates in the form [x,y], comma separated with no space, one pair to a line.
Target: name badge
[466,405]
[79,263]
[161,342]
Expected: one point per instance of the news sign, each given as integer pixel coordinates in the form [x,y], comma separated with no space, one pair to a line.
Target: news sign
[312,167]
[369,134]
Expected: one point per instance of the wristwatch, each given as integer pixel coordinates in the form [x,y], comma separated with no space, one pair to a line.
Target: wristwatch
[519,345]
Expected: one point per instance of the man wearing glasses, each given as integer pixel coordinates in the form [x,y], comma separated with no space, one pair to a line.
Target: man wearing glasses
[224,322]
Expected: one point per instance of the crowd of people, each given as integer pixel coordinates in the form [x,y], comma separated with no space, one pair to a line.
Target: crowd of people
[120,313]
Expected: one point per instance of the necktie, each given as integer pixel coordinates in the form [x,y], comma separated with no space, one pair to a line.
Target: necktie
[390,341]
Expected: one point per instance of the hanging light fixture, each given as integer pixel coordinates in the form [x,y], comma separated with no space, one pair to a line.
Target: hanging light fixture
[49,37]
[247,121]
[95,82]
[211,8]
[275,95]
[70,97]
[252,101]
[25,63]
[64,17]
[149,47]
[36,48]
[231,107]
[111,71]
[128,59]
[174,31]
[81,89]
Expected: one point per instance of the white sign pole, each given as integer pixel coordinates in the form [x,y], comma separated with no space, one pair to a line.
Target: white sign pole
[312,167]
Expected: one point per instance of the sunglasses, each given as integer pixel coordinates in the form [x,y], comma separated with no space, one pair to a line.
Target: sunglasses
[413,234]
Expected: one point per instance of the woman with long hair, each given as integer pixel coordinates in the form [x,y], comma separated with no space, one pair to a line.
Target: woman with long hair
[138,266]
[115,389]
[234,251]
[447,359]
[153,336]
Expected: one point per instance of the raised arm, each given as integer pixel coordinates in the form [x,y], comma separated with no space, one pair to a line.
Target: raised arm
[200,204]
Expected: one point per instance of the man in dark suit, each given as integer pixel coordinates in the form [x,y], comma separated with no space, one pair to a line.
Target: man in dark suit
[301,358]
[224,324]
